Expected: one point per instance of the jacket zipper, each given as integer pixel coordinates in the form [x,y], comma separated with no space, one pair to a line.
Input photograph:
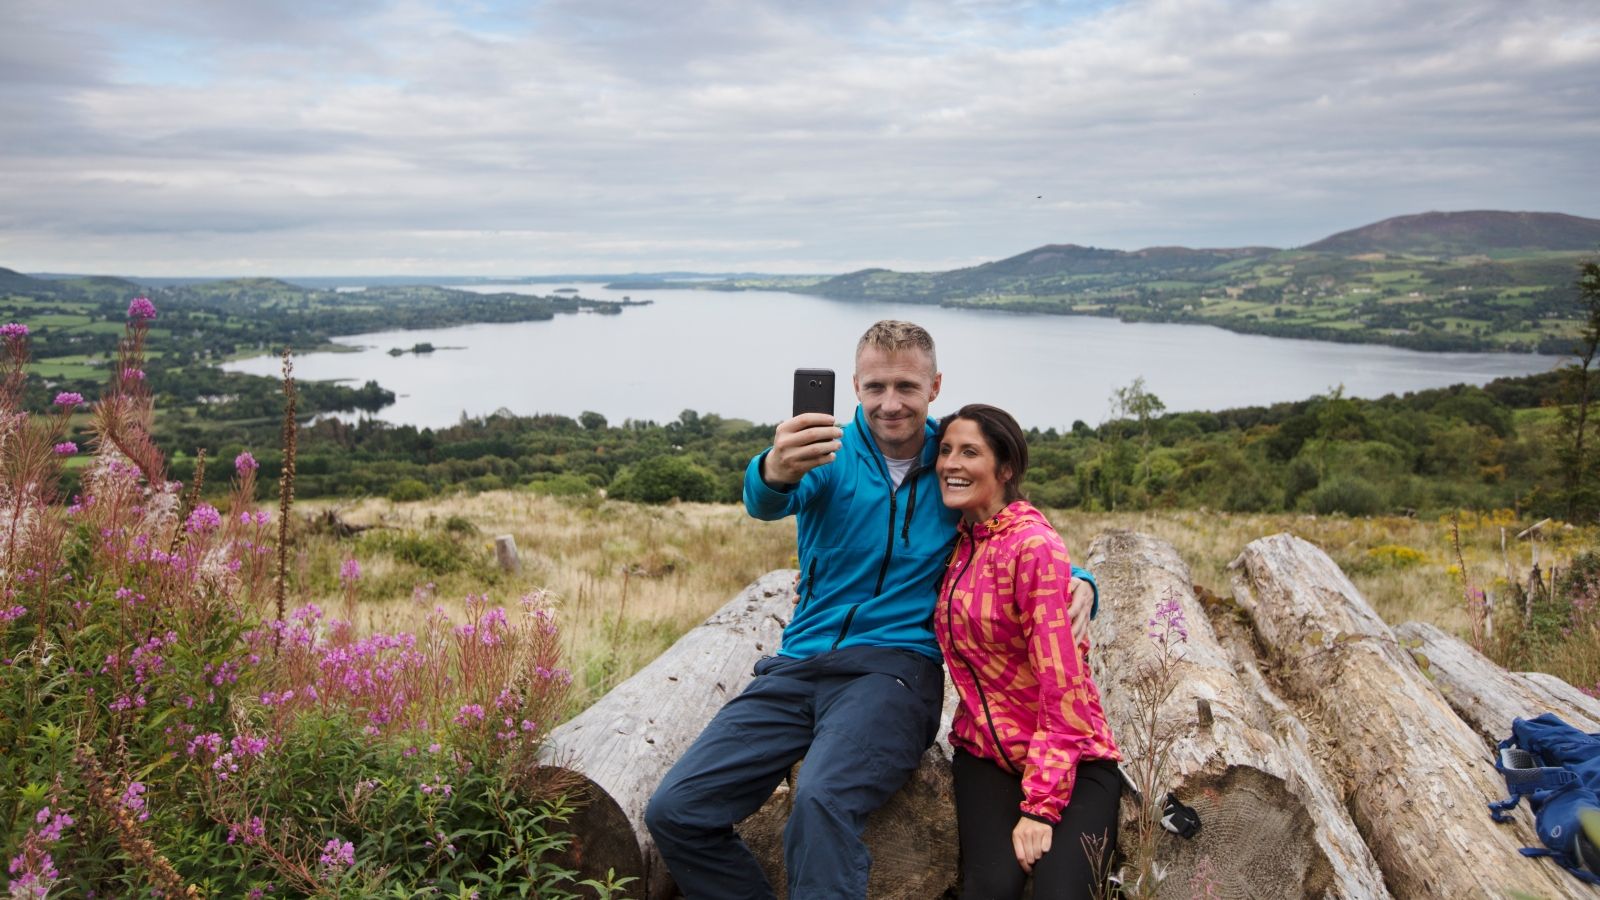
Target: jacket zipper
[983,699]
[911,504]
[888,550]
[845,628]
[810,592]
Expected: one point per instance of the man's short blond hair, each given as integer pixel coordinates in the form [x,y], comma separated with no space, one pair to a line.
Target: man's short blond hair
[893,336]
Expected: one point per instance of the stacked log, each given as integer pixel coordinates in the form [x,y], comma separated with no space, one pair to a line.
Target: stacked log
[620,748]
[1273,826]
[1417,776]
[1341,771]
[1488,697]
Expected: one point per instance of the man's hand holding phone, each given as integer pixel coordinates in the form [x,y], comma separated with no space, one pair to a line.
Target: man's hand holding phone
[799,445]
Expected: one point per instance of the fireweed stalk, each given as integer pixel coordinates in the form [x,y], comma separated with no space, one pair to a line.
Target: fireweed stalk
[286,480]
[30,469]
[1152,741]
[142,692]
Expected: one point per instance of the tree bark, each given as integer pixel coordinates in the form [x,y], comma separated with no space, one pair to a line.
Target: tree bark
[1488,697]
[1417,776]
[620,748]
[1272,825]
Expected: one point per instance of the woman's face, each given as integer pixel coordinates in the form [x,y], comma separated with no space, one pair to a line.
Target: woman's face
[969,479]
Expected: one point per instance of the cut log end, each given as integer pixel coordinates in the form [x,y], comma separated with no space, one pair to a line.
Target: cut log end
[1256,839]
[603,839]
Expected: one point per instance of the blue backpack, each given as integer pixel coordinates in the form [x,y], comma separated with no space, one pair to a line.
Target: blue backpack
[1557,767]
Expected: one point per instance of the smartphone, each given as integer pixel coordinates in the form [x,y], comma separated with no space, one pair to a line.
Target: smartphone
[813,391]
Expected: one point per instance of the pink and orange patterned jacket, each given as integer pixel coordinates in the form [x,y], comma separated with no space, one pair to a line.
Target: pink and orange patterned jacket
[1027,701]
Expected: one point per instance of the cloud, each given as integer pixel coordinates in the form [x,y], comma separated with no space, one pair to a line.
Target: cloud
[737,135]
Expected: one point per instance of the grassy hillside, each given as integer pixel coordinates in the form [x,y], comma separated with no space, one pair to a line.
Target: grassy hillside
[1465,233]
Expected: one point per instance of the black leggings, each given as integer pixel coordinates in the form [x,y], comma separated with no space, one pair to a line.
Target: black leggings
[987,799]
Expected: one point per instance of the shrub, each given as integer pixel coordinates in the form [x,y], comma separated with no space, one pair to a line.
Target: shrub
[1395,556]
[659,479]
[408,489]
[564,485]
[1346,494]
[433,553]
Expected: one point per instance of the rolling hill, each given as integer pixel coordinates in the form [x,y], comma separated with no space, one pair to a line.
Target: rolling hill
[1480,280]
[1465,233]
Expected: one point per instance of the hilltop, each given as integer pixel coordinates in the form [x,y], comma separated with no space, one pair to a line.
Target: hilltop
[1481,280]
[1489,232]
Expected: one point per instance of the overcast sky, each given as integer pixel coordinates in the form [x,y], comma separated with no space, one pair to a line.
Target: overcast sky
[270,137]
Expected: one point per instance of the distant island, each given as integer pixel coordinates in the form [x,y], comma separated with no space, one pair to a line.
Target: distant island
[418,348]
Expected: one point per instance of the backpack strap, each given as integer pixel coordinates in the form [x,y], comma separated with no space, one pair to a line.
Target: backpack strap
[1524,775]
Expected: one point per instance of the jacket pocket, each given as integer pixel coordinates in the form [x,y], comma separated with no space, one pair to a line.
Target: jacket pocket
[808,587]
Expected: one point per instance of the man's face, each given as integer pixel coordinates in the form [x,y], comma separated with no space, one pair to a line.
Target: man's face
[895,389]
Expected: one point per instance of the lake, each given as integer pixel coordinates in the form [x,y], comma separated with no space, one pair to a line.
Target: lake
[732,353]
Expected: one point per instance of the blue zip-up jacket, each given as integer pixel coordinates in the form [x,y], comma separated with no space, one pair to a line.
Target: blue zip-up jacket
[871,557]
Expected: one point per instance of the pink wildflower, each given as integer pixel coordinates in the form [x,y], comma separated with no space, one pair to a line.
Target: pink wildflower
[133,800]
[1169,624]
[13,330]
[69,399]
[250,832]
[337,854]
[350,572]
[141,309]
[244,462]
[204,518]
[131,374]
[66,448]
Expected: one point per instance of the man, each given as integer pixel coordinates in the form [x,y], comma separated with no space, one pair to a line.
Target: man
[856,687]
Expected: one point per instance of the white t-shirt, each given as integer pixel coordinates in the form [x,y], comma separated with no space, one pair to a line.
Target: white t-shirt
[898,469]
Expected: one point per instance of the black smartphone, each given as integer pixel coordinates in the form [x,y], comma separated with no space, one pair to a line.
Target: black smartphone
[813,391]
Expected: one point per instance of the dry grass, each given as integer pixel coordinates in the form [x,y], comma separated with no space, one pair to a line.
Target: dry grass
[629,579]
[626,579]
[1425,585]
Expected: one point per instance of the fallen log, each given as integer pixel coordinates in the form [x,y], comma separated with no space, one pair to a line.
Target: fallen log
[1272,825]
[620,748]
[912,838]
[1486,696]
[1417,776]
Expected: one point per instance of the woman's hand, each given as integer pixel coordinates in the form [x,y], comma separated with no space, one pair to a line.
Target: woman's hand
[1031,840]
[1080,602]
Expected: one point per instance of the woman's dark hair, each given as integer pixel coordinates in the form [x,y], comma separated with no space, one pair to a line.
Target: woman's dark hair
[1004,437]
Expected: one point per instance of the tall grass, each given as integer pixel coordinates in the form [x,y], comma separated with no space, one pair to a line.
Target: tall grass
[629,579]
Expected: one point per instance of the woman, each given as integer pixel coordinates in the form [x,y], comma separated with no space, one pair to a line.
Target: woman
[1036,780]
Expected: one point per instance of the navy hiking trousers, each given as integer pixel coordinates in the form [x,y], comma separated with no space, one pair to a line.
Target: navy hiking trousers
[861,718]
